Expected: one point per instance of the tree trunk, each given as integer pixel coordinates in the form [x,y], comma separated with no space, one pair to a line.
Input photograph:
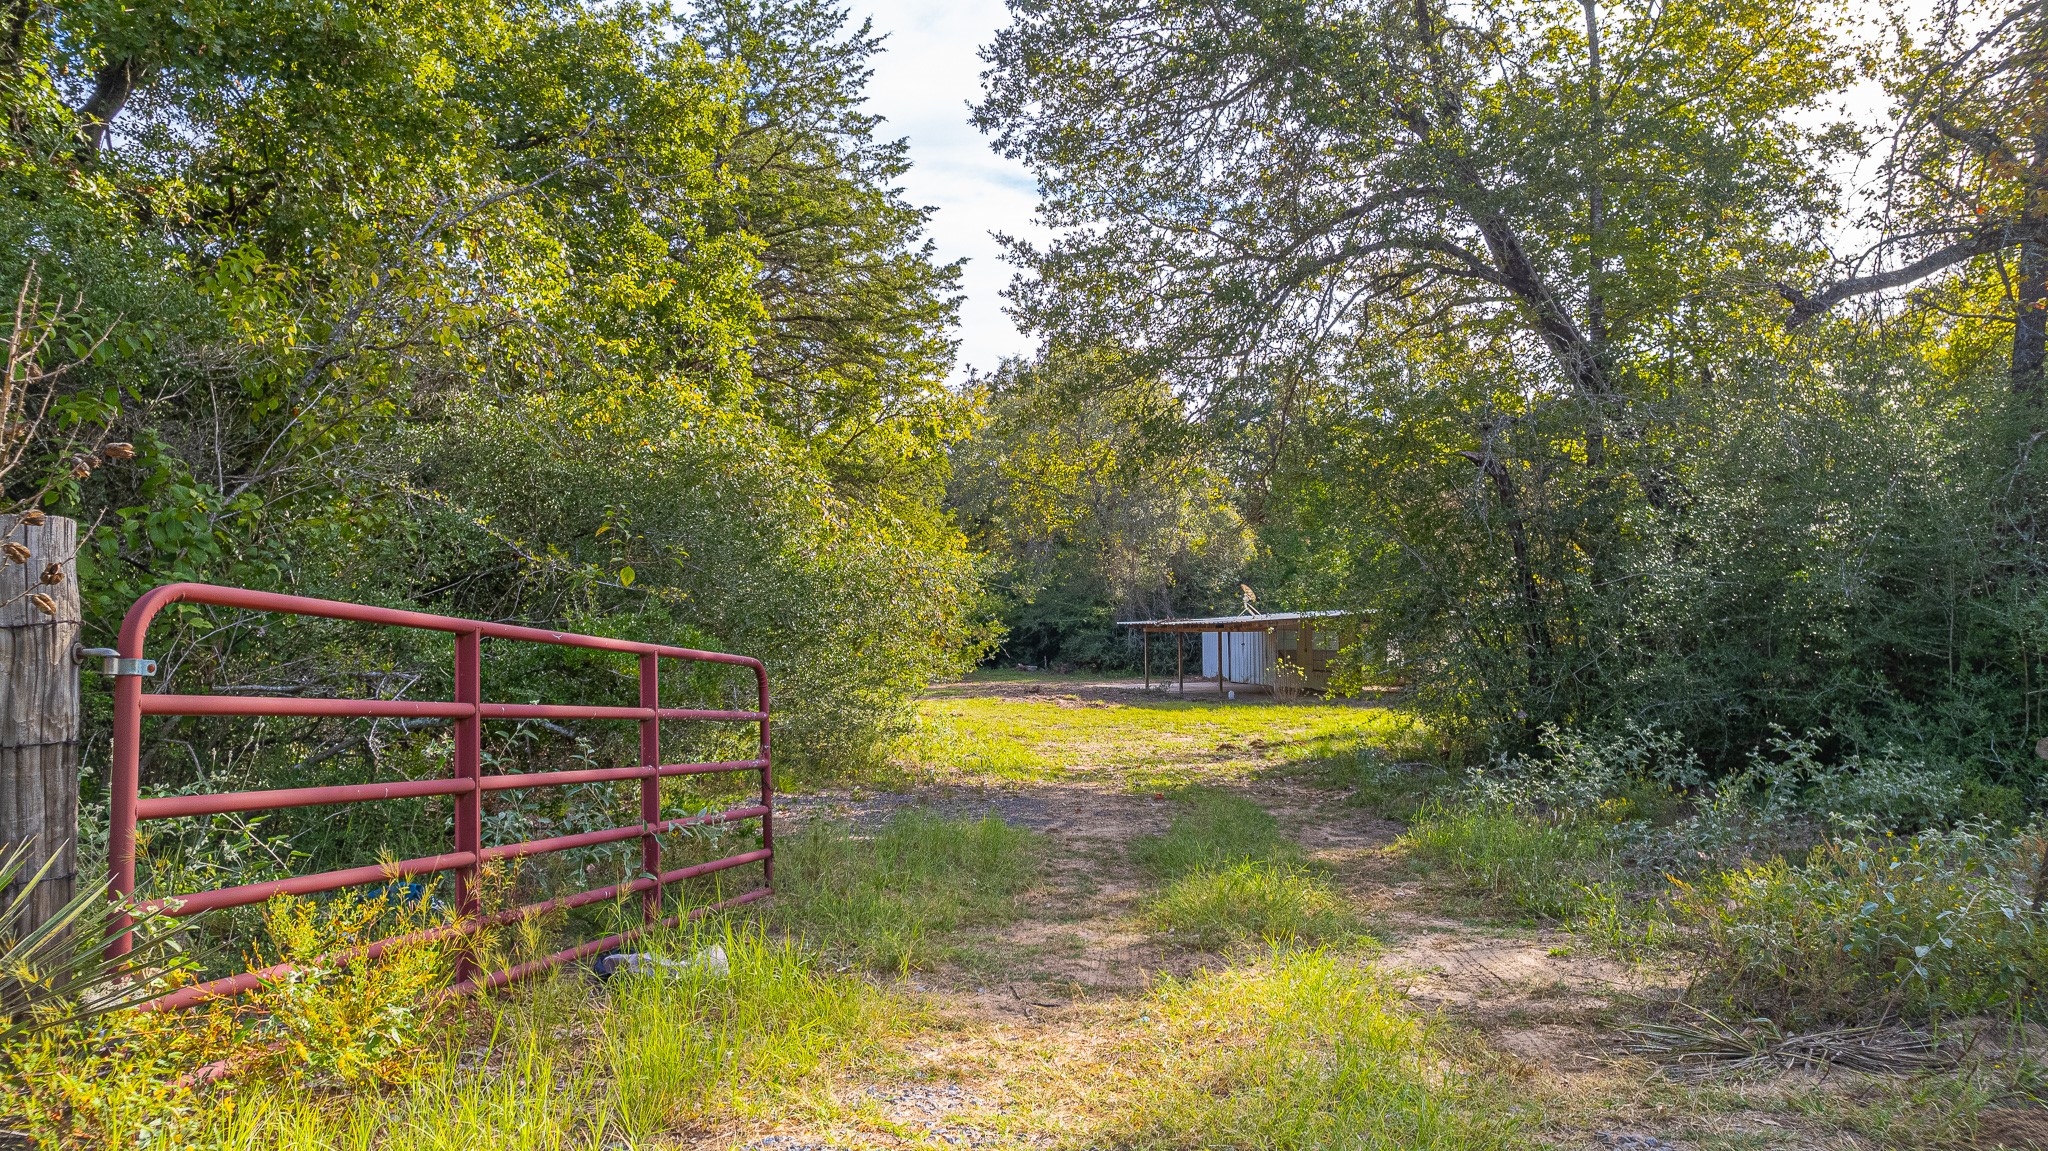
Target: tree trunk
[2030,331]
[39,705]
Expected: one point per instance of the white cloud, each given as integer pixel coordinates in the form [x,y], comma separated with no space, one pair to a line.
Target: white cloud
[923,84]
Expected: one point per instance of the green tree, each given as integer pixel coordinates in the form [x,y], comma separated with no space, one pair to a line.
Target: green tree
[1092,495]
[1526,226]
[597,314]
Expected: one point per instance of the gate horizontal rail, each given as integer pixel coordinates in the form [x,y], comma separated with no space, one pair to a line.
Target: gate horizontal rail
[467,784]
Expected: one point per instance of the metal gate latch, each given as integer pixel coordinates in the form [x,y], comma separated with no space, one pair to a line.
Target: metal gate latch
[111,662]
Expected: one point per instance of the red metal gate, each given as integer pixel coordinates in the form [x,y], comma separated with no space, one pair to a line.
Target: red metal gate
[466,782]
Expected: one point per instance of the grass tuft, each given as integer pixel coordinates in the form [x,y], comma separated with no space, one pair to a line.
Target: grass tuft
[1232,876]
[1533,863]
[1251,900]
[1303,1051]
[889,901]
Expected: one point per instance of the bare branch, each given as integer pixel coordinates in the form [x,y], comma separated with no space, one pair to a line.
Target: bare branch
[1983,241]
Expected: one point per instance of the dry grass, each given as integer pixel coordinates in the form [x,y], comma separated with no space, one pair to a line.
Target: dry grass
[1708,1045]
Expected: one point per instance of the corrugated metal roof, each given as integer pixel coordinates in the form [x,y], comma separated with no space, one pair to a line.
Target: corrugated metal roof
[1235,620]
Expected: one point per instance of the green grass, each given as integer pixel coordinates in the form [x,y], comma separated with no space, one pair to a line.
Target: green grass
[890,901]
[1230,876]
[1214,829]
[1373,778]
[1533,864]
[1148,744]
[682,1044]
[529,1095]
[1251,900]
[1304,1051]
[560,1065]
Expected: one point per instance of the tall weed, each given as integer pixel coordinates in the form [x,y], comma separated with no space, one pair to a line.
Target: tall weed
[704,1037]
[1542,865]
[1932,925]
[129,1079]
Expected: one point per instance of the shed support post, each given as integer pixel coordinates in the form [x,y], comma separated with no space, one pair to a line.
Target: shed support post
[1180,661]
[39,630]
[1145,654]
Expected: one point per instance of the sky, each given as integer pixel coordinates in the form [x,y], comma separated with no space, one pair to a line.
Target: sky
[923,84]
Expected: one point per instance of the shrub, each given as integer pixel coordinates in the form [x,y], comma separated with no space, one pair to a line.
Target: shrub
[1925,926]
[1882,789]
[356,1019]
[126,1079]
[1582,769]
[1251,900]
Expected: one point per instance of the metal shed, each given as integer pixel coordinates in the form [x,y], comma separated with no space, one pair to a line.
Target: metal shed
[1290,648]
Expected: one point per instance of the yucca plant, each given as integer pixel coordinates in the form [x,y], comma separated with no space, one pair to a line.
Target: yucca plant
[58,972]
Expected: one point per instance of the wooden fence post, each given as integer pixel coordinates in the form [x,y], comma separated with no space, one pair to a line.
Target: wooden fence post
[39,631]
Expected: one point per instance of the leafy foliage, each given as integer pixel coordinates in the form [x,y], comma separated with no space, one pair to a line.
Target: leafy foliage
[608,317]
[1090,494]
[1482,310]
[1938,924]
[56,974]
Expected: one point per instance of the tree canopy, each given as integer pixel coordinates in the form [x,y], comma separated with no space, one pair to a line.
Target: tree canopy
[1520,328]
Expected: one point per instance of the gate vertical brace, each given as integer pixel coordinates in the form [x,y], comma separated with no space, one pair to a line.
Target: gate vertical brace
[767,785]
[650,787]
[123,782]
[469,807]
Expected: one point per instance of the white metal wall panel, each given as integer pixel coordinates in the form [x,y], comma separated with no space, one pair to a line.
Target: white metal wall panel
[1237,657]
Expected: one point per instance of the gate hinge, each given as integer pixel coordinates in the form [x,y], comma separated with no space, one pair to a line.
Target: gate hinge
[111,662]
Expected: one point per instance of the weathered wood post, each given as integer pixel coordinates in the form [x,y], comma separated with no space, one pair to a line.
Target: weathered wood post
[39,630]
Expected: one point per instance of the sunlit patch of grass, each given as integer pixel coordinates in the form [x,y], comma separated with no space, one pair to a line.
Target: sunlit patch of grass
[524,1091]
[1162,740]
[1231,875]
[889,901]
[708,1037]
[563,1067]
[1251,900]
[1303,1051]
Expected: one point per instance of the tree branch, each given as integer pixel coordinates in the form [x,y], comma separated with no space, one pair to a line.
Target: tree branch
[1985,240]
[111,88]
